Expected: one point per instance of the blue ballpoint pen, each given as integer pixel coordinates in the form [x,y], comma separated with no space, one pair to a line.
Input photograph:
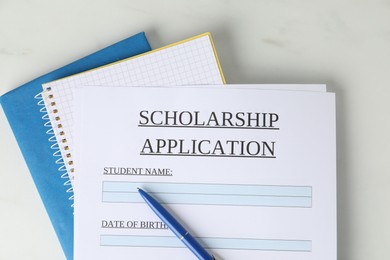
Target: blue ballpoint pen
[176,227]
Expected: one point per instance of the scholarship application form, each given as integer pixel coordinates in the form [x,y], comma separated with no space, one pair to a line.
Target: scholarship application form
[251,173]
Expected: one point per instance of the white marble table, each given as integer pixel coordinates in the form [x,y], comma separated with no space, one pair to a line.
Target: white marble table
[344,44]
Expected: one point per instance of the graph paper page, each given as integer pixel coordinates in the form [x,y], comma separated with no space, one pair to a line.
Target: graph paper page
[190,62]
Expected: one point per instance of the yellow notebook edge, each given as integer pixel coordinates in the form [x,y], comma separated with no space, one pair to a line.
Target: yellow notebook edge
[152,51]
[216,57]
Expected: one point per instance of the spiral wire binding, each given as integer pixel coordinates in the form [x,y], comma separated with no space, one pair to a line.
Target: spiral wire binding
[52,139]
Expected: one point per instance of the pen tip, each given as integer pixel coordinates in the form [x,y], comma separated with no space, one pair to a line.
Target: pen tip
[138,188]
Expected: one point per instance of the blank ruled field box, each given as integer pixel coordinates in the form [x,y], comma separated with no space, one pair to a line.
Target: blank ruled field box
[210,194]
[208,242]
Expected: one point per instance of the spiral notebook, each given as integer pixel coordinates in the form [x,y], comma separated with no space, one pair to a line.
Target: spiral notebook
[189,62]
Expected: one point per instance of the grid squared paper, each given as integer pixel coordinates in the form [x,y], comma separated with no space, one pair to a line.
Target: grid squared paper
[192,62]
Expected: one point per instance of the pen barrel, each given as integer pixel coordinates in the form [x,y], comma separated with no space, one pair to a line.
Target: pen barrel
[176,227]
[196,248]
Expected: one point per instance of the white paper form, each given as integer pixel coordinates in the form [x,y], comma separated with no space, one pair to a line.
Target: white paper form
[249,172]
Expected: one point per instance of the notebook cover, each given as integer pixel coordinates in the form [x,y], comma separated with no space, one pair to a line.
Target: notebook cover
[33,132]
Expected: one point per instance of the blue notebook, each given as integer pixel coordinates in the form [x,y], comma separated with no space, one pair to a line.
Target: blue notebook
[30,124]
